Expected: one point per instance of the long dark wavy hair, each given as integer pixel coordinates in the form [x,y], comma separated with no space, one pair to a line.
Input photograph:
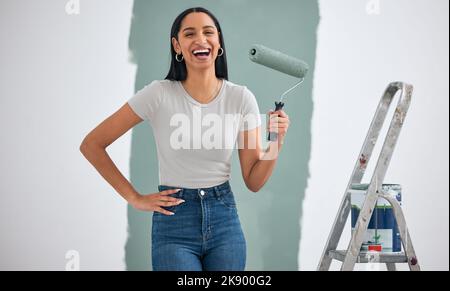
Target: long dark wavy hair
[178,71]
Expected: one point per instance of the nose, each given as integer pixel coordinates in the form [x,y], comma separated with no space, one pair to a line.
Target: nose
[201,39]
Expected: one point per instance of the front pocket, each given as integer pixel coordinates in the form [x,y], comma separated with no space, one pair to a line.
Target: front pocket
[227,199]
[174,207]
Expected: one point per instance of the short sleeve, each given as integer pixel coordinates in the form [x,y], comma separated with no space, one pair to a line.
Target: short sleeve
[146,101]
[251,118]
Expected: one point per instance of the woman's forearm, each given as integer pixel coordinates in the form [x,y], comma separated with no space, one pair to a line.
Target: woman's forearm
[263,168]
[100,159]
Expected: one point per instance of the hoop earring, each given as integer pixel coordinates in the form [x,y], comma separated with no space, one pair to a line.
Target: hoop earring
[221,54]
[182,58]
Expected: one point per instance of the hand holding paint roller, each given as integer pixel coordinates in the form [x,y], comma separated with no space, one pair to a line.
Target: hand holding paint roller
[282,63]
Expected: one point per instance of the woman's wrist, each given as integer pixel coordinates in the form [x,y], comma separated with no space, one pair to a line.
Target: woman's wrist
[134,198]
[280,143]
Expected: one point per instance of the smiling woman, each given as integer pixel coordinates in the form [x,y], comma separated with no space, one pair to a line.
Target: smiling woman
[194,194]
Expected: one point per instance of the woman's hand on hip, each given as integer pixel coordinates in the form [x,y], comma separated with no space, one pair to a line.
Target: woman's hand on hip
[155,201]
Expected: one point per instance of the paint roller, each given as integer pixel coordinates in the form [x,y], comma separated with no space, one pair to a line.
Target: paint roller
[283,63]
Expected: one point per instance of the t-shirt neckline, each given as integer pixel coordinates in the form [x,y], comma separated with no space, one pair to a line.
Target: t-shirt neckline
[195,102]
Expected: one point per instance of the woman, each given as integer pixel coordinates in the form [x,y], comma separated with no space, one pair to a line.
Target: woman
[195,220]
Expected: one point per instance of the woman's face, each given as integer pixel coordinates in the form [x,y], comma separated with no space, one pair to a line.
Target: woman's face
[198,41]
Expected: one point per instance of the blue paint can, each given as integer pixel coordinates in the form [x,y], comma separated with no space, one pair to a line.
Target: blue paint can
[383,229]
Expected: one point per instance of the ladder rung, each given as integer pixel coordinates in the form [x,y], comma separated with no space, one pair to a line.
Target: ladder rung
[383,257]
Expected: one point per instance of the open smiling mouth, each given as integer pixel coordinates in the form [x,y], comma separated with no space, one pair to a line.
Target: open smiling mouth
[202,54]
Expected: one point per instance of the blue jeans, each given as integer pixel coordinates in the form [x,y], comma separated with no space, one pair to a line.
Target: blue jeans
[204,234]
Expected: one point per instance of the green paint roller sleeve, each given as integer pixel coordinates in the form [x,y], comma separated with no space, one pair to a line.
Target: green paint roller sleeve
[278,61]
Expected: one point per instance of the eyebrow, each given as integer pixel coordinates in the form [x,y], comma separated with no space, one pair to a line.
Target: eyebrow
[192,28]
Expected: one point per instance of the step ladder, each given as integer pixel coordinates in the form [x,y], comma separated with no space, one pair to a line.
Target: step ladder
[352,255]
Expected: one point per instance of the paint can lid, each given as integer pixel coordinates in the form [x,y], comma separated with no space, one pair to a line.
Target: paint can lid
[386,187]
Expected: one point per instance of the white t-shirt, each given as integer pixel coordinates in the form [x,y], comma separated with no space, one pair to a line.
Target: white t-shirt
[195,141]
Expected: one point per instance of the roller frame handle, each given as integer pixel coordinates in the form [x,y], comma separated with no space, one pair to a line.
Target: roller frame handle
[273,136]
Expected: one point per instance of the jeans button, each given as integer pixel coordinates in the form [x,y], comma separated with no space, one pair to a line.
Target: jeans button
[202,192]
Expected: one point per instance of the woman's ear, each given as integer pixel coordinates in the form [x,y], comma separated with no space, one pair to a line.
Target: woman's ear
[175,45]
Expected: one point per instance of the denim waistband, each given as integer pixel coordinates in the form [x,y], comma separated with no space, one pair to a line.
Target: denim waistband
[196,192]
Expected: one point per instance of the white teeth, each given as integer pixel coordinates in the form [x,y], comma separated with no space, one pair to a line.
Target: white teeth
[200,51]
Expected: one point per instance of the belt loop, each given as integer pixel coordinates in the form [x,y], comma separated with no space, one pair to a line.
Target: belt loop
[180,193]
[216,191]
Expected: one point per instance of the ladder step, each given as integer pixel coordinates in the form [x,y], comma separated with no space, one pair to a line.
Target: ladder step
[363,258]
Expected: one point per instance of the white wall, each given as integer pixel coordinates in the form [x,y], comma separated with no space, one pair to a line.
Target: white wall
[60,75]
[358,55]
